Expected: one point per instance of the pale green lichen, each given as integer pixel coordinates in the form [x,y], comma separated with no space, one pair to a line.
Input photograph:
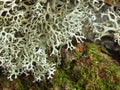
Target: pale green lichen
[28,28]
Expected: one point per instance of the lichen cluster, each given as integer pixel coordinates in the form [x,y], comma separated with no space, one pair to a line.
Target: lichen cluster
[29,27]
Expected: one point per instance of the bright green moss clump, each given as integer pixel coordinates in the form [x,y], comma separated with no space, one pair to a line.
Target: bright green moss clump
[93,72]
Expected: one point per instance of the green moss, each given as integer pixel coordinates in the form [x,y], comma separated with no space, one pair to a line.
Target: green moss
[98,74]
[94,54]
[19,85]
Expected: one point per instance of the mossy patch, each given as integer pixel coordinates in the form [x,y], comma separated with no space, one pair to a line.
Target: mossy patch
[90,71]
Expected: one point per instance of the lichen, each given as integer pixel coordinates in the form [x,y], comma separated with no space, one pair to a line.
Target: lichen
[28,28]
